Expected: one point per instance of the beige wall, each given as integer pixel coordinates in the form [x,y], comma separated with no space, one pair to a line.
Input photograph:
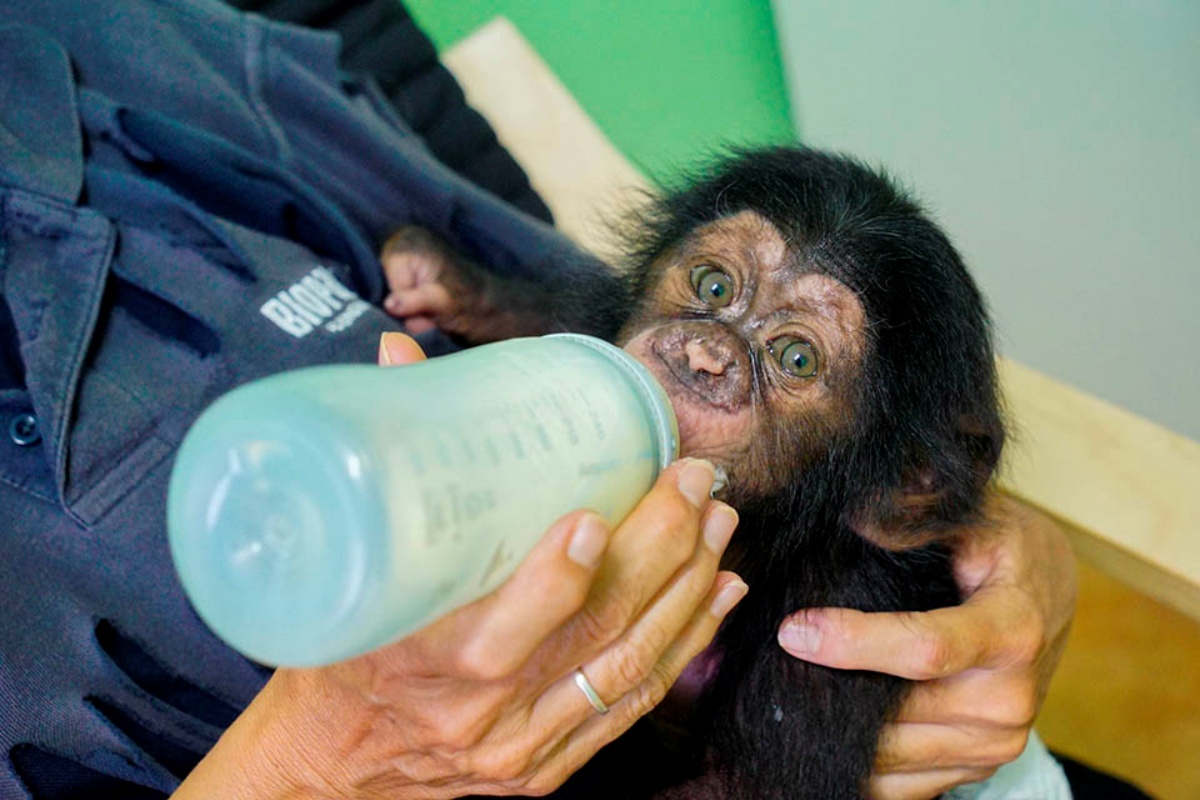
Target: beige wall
[1060,144]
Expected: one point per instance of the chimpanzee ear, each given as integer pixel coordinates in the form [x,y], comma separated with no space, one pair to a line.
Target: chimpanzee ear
[934,500]
[909,517]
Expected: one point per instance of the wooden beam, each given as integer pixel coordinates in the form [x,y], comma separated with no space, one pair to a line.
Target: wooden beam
[1129,490]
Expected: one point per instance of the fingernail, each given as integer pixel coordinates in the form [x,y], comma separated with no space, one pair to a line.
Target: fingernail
[398,348]
[696,480]
[720,480]
[588,542]
[719,527]
[385,358]
[729,596]
[800,639]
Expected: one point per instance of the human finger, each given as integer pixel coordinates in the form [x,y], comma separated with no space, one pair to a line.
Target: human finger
[570,750]
[492,637]
[914,645]
[922,785]
[636,666]
[659,536]
[397,348]
[996,699]
[642,660]
[919,747]
[560,729]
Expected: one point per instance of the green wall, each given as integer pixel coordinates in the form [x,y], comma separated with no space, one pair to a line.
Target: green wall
[667,80]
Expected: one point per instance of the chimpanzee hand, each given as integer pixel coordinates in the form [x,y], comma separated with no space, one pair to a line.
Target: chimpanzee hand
[429,285]
[432,285]
[485,700]
[984,667]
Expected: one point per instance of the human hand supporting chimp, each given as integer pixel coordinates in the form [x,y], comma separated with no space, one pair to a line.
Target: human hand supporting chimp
[982,668]
[484,700]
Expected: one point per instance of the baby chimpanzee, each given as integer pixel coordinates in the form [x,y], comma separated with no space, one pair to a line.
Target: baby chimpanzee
[822,343]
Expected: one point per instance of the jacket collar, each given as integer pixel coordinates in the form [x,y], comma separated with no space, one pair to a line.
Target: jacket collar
[55,263]
[53,256]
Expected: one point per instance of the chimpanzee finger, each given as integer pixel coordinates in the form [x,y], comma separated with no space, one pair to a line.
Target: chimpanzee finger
[427,299]
[419,324]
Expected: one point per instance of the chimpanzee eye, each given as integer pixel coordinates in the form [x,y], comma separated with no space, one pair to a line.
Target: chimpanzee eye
[797,358]
[712,285]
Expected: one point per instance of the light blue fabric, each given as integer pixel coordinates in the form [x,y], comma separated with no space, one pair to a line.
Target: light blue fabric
[1035,775]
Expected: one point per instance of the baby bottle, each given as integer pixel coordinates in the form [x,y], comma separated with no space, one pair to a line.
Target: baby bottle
[321,513]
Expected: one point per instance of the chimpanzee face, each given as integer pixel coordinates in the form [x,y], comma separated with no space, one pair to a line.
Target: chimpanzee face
[758,353]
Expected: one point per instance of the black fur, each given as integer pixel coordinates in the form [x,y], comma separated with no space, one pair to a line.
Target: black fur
[925,438]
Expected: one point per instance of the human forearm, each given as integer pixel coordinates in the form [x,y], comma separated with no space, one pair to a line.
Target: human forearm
[262,756]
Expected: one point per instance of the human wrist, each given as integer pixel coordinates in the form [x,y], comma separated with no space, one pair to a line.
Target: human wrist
[272,751]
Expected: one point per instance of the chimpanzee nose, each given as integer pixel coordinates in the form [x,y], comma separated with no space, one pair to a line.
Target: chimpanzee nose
[708,360]
[705,357]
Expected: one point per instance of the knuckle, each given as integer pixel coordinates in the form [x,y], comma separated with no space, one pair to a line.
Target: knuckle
[640,702]
[451,734]
[503,765]
[479,663]
[601,623]
[629,669]
[933,656]
[674,529]
[654,689]
[1027,645]
[645,696]
[1018,710]
[1010,747]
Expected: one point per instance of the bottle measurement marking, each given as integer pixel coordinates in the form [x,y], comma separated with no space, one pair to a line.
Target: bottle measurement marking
[593,416]
[449,507]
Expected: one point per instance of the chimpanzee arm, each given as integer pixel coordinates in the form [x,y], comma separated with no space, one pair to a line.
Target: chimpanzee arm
[430,284]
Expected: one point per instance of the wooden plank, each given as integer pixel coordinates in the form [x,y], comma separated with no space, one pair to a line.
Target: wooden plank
[582,177]
[1126,695]
[1128,490]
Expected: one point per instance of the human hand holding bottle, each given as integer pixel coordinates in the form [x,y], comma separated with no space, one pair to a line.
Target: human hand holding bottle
[484,700]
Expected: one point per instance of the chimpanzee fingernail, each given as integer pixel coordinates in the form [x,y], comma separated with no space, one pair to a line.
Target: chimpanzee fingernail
[800,639]
[696,480]
[729,596]
[588,542]
[719,526]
